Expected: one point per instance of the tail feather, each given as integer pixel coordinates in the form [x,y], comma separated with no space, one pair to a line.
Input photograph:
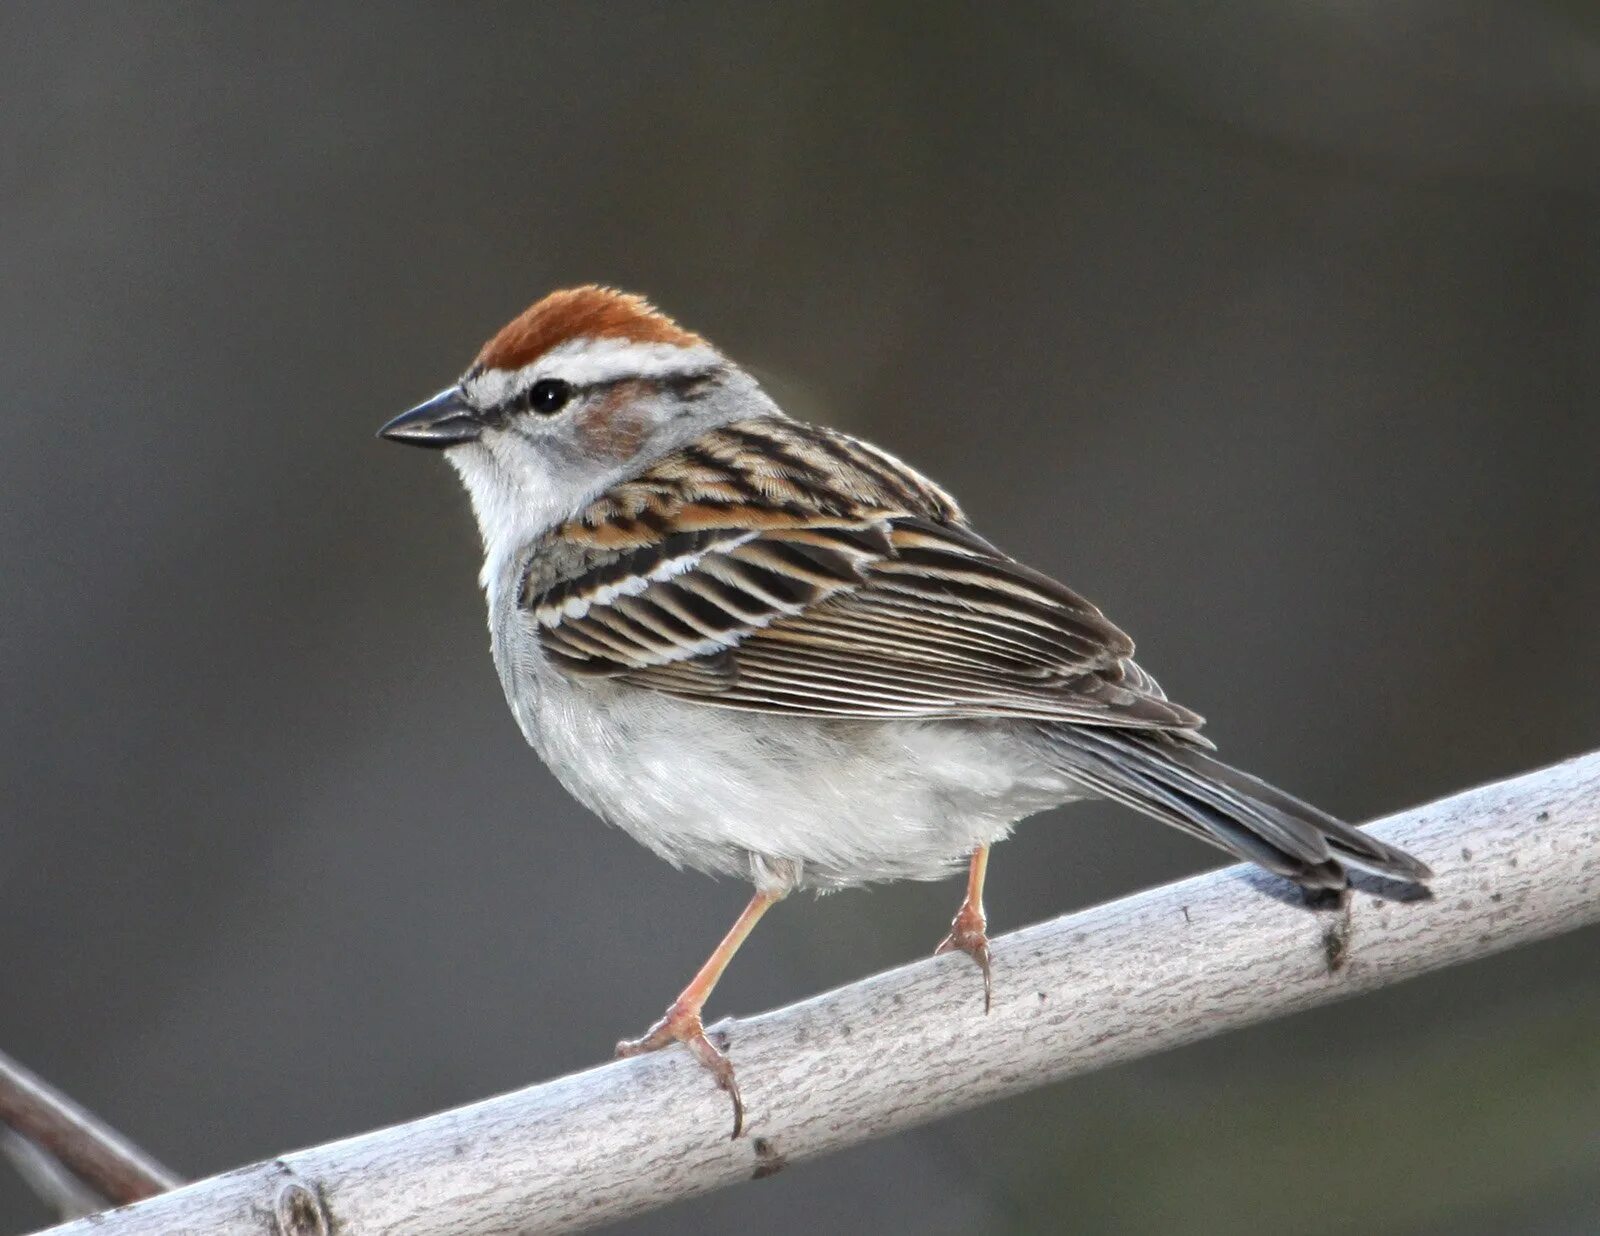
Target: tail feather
[1346,840]
[1183,786]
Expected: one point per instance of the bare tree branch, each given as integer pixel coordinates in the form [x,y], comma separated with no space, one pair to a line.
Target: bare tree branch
[56,1129]
[44,1174]
[1516,861]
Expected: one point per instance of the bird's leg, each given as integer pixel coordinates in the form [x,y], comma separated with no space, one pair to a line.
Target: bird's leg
[681,1022]
[967,932]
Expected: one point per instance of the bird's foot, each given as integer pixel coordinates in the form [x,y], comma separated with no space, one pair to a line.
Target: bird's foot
[681,1024]
[968,933]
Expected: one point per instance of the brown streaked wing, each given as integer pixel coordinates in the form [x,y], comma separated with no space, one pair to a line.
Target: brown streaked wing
[782,568]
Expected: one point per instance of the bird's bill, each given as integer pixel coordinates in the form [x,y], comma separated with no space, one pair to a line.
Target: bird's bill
[445,420]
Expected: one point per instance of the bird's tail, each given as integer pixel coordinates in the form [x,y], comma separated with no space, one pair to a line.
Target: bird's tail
[1181,785]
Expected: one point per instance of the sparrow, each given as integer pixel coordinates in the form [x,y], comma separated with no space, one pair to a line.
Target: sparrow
[773,651]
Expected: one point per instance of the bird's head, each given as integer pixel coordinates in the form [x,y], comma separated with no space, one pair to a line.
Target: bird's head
[582,389]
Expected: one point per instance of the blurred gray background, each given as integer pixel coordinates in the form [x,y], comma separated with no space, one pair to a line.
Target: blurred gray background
[1273,328]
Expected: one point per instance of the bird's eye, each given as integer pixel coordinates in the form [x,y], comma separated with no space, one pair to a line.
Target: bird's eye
[549,395]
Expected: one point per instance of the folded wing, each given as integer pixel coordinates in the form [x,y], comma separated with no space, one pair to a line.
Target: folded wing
[784,568]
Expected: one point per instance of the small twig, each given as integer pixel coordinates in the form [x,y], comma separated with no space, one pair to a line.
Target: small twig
[63,1192]
[108,1165]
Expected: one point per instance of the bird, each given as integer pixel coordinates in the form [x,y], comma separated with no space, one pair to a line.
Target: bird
[773,651]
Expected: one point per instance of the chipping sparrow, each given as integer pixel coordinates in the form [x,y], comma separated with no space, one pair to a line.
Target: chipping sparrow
[769,650]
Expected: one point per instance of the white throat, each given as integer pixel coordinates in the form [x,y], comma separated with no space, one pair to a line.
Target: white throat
[516,496]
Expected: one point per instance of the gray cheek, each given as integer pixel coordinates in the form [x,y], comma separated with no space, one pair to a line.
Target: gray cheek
[527,446]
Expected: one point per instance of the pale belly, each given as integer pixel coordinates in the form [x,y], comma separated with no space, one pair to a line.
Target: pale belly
[785,802]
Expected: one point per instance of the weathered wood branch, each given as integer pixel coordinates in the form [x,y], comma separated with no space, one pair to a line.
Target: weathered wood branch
[1515,861]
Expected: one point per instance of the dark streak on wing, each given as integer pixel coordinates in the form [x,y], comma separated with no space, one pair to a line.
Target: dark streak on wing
[780,567]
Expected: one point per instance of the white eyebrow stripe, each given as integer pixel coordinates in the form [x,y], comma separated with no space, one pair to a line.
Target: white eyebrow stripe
[584,362]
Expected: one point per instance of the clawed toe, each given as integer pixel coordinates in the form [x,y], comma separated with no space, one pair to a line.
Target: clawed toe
[684,1026]
[969,931]
[969,936]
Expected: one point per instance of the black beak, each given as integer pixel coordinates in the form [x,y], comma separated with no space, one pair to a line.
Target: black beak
[445,420]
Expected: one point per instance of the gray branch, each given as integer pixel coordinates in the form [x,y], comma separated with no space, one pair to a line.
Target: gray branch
[1515,861]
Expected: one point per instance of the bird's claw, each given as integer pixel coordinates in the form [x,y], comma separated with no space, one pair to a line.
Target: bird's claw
[968,934]
[683,1025]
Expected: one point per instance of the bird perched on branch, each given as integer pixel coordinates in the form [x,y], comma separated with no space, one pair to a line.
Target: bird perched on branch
[770,650]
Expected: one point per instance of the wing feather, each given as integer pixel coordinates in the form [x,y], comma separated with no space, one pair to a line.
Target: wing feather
[779,567]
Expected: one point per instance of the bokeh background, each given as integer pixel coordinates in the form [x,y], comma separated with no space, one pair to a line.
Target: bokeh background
[1273,328]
